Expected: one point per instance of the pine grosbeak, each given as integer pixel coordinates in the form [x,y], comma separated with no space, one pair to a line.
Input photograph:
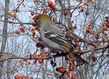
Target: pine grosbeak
[54,38]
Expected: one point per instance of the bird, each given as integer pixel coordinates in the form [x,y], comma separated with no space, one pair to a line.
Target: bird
[54,38]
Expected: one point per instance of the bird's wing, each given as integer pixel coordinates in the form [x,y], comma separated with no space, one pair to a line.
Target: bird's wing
[55,38]
[56,35]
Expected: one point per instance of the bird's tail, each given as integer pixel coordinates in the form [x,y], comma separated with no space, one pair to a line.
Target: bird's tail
[79,60]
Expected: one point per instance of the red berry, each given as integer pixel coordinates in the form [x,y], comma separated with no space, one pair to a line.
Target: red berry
[17,77]
[32,29]
[94,58]
[89,29]
[74,77]
[37,29]
[71,68]
[17,32]
[23,77]
[52,5]
[75,26]
[40,59]
[31,77]
[107,24]
[61,70]
[34,24]
[33,34]
[22,29]
[97,34]
[35,18]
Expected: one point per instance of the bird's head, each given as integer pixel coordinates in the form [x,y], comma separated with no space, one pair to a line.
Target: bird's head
[43,19]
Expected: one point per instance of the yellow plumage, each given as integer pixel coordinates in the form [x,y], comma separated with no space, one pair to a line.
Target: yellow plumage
[42,18]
